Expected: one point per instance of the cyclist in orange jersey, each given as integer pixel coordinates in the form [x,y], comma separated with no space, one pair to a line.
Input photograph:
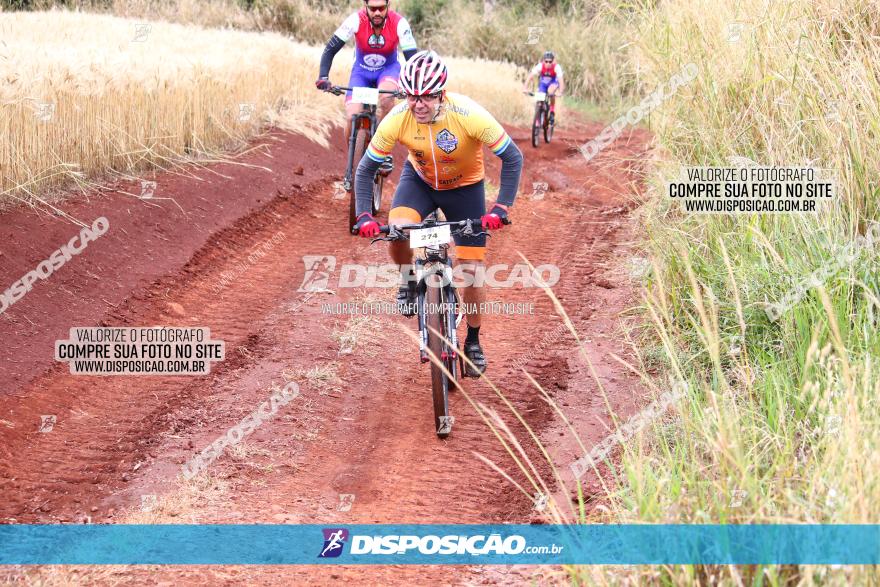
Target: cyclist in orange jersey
[444,133]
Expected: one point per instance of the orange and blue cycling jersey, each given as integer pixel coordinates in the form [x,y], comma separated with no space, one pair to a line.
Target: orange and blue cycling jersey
[448,153]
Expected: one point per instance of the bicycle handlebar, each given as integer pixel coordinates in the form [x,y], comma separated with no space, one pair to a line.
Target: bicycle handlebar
[474,222]
[528,93]
[468,224]
[339,90]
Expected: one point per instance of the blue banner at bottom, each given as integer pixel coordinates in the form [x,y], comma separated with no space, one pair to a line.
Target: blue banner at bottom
[439,544]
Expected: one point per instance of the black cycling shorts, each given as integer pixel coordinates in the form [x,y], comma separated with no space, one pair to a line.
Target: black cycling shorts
[414,200]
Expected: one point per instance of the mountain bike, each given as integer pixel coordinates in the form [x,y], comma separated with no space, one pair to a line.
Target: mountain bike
[542,118]
[363,126]
[437,304]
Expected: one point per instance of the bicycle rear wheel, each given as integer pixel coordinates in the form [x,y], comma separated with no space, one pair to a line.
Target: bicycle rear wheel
[378,184]
[360,147]
[439,381]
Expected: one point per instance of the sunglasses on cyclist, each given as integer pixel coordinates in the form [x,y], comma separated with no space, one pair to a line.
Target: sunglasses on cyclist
[548,61]
[426,98]
[377,8]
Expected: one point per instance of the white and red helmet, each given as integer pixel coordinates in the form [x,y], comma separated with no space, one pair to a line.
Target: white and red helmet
[424,73]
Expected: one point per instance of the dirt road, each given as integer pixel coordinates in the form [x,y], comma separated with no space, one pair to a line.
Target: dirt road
[223,248]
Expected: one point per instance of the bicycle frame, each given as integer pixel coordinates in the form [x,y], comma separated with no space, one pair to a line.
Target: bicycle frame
[545,105]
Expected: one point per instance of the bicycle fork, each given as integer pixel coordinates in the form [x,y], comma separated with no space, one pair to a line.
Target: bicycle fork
[447,297]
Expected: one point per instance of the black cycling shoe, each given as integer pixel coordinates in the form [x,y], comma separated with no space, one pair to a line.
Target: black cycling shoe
[387,166]
[474,352]
[406,299]
[552,118]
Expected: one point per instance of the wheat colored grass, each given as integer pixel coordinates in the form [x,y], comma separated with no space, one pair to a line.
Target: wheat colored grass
[89,94]
[83,95]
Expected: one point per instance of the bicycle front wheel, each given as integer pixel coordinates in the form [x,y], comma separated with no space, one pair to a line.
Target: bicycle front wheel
[439,381]
[537,123]
[452,319]
[360,147]
[548,129]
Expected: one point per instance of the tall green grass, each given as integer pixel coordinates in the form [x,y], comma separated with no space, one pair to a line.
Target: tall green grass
[590,49]
[783,423]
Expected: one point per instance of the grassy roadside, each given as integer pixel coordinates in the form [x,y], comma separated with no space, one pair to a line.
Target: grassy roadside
[87,95]
[587,109]
[782,422]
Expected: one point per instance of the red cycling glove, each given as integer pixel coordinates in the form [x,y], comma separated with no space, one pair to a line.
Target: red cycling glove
[367,226]
[495,218]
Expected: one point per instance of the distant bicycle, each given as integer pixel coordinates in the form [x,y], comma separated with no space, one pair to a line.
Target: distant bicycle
[542,120]
[437,304]
[363,126]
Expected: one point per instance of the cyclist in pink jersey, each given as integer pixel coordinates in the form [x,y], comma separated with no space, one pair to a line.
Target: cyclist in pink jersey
[550,80]
[378,31]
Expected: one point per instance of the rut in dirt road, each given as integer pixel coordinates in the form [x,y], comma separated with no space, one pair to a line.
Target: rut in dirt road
[362,425]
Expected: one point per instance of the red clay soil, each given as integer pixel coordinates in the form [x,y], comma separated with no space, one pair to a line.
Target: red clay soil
[362,424]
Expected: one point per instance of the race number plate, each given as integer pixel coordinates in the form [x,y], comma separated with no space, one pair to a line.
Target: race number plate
[365,95]
[429,237]
[539,96]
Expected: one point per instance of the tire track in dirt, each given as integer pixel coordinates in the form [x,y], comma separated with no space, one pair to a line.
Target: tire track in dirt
[367,434]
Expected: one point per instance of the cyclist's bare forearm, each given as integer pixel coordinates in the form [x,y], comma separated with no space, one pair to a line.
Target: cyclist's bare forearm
[363,184]
[511,169]
[330,50]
